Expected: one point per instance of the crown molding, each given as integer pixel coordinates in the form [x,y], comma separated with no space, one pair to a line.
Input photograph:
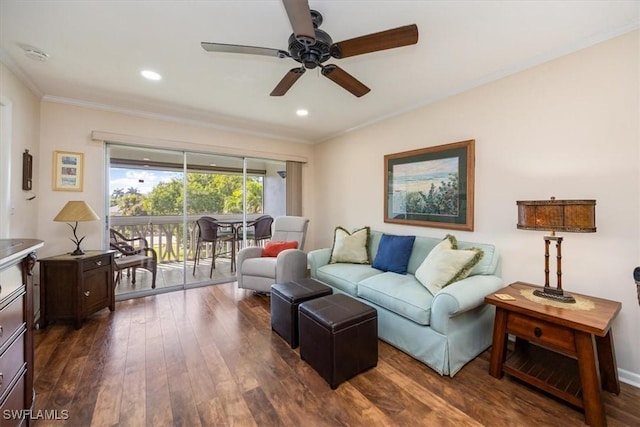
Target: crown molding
[170,118]
[5,58]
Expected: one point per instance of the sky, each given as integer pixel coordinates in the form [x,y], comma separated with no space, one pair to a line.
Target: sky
[419,176]
[142,179]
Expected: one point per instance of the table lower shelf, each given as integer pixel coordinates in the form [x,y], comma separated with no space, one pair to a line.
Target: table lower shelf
[552,372]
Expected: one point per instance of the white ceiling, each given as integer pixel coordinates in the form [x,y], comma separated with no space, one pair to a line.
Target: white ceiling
[98,48]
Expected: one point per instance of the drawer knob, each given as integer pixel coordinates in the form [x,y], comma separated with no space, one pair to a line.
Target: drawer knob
[537,332]
[87,293]
[98,263]
[1,378]
[1,331]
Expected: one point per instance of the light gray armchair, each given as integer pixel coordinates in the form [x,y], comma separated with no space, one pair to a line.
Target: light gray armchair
[258,273]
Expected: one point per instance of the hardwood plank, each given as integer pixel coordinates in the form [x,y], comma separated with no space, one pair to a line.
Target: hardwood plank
[109,398]
[133,403]
[263,412]
[46,379]
[85,397]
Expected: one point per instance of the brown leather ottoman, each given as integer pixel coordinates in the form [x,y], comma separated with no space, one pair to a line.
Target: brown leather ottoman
[338,337]
[285,299]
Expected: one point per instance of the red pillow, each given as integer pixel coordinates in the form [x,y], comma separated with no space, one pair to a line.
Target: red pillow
[272,249]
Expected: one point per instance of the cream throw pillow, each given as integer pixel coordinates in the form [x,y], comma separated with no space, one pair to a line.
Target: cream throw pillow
[445,265]
[350,247]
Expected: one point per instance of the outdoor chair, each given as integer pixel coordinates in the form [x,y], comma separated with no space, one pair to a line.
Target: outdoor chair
[258,230]
[133,253]
[210,231]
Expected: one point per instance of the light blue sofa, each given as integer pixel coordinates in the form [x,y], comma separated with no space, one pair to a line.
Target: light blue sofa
[446,330]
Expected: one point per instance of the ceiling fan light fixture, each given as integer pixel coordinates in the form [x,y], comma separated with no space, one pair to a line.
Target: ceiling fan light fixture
[150,75]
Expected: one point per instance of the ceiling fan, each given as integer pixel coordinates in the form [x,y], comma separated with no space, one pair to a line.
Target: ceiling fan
[311,47]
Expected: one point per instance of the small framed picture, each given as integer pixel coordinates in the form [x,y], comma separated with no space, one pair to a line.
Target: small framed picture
[68,169]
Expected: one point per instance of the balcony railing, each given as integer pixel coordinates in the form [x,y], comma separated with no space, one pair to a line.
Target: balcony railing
[166,233]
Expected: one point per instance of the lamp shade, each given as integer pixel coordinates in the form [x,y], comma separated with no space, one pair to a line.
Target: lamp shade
[557,215]
[76,210]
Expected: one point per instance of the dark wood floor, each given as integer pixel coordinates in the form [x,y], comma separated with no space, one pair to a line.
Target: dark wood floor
[207,357]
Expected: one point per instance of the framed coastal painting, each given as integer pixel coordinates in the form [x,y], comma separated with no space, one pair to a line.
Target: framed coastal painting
[68,168]
[431,187]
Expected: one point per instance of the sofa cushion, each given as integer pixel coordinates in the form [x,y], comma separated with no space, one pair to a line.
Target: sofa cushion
[393,253]
[445,265]
[345,276]
[399,293]
[350,247]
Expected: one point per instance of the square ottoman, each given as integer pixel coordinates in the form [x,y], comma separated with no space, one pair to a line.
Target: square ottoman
[285,299]
[338,337]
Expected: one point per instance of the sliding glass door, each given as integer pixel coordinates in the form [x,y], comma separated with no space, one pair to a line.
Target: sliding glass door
[214,188]
[160,196]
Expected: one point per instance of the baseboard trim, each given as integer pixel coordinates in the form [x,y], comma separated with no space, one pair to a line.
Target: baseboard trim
[628,377]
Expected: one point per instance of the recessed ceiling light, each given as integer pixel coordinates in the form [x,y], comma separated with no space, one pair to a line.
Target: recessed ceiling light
[302,112]
[151,75]
[146,159]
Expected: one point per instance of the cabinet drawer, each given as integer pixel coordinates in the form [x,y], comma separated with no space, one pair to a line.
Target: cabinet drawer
[96,262]
[10,280]
[11,361]
[12,408]
[541,332]
[11,318]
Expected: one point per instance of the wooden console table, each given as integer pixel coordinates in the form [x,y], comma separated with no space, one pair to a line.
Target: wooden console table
[556,345]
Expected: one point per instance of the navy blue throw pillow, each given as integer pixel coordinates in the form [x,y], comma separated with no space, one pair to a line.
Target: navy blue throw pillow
[393,253]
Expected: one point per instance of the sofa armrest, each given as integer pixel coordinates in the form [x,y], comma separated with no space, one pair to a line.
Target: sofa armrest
[317,259]
[291,265]
[461,296]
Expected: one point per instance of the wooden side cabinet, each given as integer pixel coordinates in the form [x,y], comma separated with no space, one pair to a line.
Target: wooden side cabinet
[17,258]
[74,287]
[563,350]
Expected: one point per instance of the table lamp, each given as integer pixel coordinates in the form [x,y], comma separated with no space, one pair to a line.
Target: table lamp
[556,215]
[75,211]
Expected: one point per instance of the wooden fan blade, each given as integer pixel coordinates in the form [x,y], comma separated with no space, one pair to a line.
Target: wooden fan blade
[344,79]
[389,39]
[251,50]
[287,81]
[300,18]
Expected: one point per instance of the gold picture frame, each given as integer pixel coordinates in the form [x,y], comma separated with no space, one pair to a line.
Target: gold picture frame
[431,187]
[68,170]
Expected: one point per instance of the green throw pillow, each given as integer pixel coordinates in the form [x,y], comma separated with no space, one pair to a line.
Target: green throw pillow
[445,264]
[350,247]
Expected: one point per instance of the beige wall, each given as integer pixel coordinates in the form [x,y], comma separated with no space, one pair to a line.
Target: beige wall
[568,128]
[24,109]
[69,128]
